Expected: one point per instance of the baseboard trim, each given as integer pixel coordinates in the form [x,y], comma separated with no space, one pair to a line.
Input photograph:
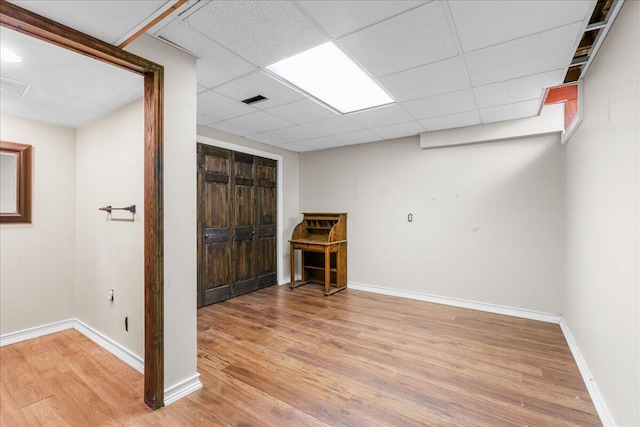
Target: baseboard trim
[131,359]
[287,279]
[182,389]
[592,387]
[473,305]
[38,331]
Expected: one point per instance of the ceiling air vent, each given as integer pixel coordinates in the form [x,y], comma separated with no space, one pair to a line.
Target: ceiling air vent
[254,99]
[13,86]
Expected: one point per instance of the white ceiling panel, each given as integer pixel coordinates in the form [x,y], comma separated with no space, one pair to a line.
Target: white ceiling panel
[542,52]
[400,130]
[414,38]
[262,32]
[216,64]
[107,20]
[439,77]
[265,137]
[485,23]
[517,90]
[468,118]
[291,134]
[301,112]
[510,112]
[260,83]
[441,105]
[320,143]
[201,88]
[383,116]
[259,122]
[233,128]
[333,126]
[357,137]
[204,120]
[294,146]
[354,15]
[215,105]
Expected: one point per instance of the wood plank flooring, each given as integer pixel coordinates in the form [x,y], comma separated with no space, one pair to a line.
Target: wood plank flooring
[278,357]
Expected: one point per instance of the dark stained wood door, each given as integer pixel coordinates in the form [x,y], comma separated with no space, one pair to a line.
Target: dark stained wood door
[237,211]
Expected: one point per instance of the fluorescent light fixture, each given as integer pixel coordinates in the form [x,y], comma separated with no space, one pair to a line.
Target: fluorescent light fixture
[9,56]
[328,75]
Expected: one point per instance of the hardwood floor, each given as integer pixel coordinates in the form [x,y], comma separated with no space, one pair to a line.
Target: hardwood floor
[297,358]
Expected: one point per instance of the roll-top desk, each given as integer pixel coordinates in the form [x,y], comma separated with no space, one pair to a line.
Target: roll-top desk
[322,239]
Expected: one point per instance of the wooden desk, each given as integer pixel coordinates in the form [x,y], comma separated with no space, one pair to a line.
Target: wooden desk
[321,238]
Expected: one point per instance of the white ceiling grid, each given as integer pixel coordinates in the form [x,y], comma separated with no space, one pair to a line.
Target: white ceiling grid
[446,63]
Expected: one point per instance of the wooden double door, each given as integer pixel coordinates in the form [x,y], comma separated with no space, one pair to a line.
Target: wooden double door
[237,214]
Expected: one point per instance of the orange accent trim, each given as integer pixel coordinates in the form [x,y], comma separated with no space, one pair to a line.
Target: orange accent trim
[158,18]
[568,95]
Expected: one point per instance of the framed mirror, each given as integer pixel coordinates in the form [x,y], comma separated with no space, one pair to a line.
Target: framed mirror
[15,182]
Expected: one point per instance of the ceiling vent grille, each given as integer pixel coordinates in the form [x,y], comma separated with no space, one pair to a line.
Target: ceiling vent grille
[13,86]
[254,99]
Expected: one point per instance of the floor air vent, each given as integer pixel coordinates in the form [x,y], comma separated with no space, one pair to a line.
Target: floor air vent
[13,86]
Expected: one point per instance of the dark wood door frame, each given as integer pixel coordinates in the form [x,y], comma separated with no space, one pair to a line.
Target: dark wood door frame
[29,23]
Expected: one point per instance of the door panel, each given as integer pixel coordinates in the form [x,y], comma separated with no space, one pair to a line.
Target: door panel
[237,222]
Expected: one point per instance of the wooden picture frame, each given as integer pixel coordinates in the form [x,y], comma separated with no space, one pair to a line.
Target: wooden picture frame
[23,183]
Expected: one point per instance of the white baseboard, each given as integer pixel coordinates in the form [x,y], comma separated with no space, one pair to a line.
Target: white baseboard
[36,332]
[594,391]
[131,359]
[182,389]
[287,279]
[481,306]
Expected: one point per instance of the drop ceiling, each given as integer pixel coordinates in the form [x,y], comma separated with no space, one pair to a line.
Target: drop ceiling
[446,64]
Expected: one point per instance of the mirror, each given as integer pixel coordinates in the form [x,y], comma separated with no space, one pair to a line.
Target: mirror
[15,182]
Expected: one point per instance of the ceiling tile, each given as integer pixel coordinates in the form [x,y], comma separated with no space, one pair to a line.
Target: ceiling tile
[357,137]
[511,111]
[204,120]
[266,138]
[201,89]
[104,20]
[259,122]
[295,146]
[216,64]
[452,121]
[542,52]
[485,23]
[414,38]
[215,105]
[400,130]
[233,128]
[333,126]
[301,112]
[517,90]
[291,134]
[260,83]
[383,116]
[439,77]
[320,143]
[441,105]
[354,15]
[262,32]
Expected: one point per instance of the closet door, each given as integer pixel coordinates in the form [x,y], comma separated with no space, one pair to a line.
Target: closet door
[266,208]
[244,224]
[237,212]
[214,224]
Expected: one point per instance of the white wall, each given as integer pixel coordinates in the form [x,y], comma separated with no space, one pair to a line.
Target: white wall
[487,219]
[180,350]
[110,249]
[290,176]
[602,298]
[37,260]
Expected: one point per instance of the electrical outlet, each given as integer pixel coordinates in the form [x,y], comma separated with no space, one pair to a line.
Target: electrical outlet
[110,295]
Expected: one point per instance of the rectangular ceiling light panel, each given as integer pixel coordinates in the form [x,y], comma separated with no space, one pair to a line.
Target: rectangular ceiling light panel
[328,75]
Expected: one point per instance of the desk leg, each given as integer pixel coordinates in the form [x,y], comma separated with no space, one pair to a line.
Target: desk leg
[327,271]
[292,258]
